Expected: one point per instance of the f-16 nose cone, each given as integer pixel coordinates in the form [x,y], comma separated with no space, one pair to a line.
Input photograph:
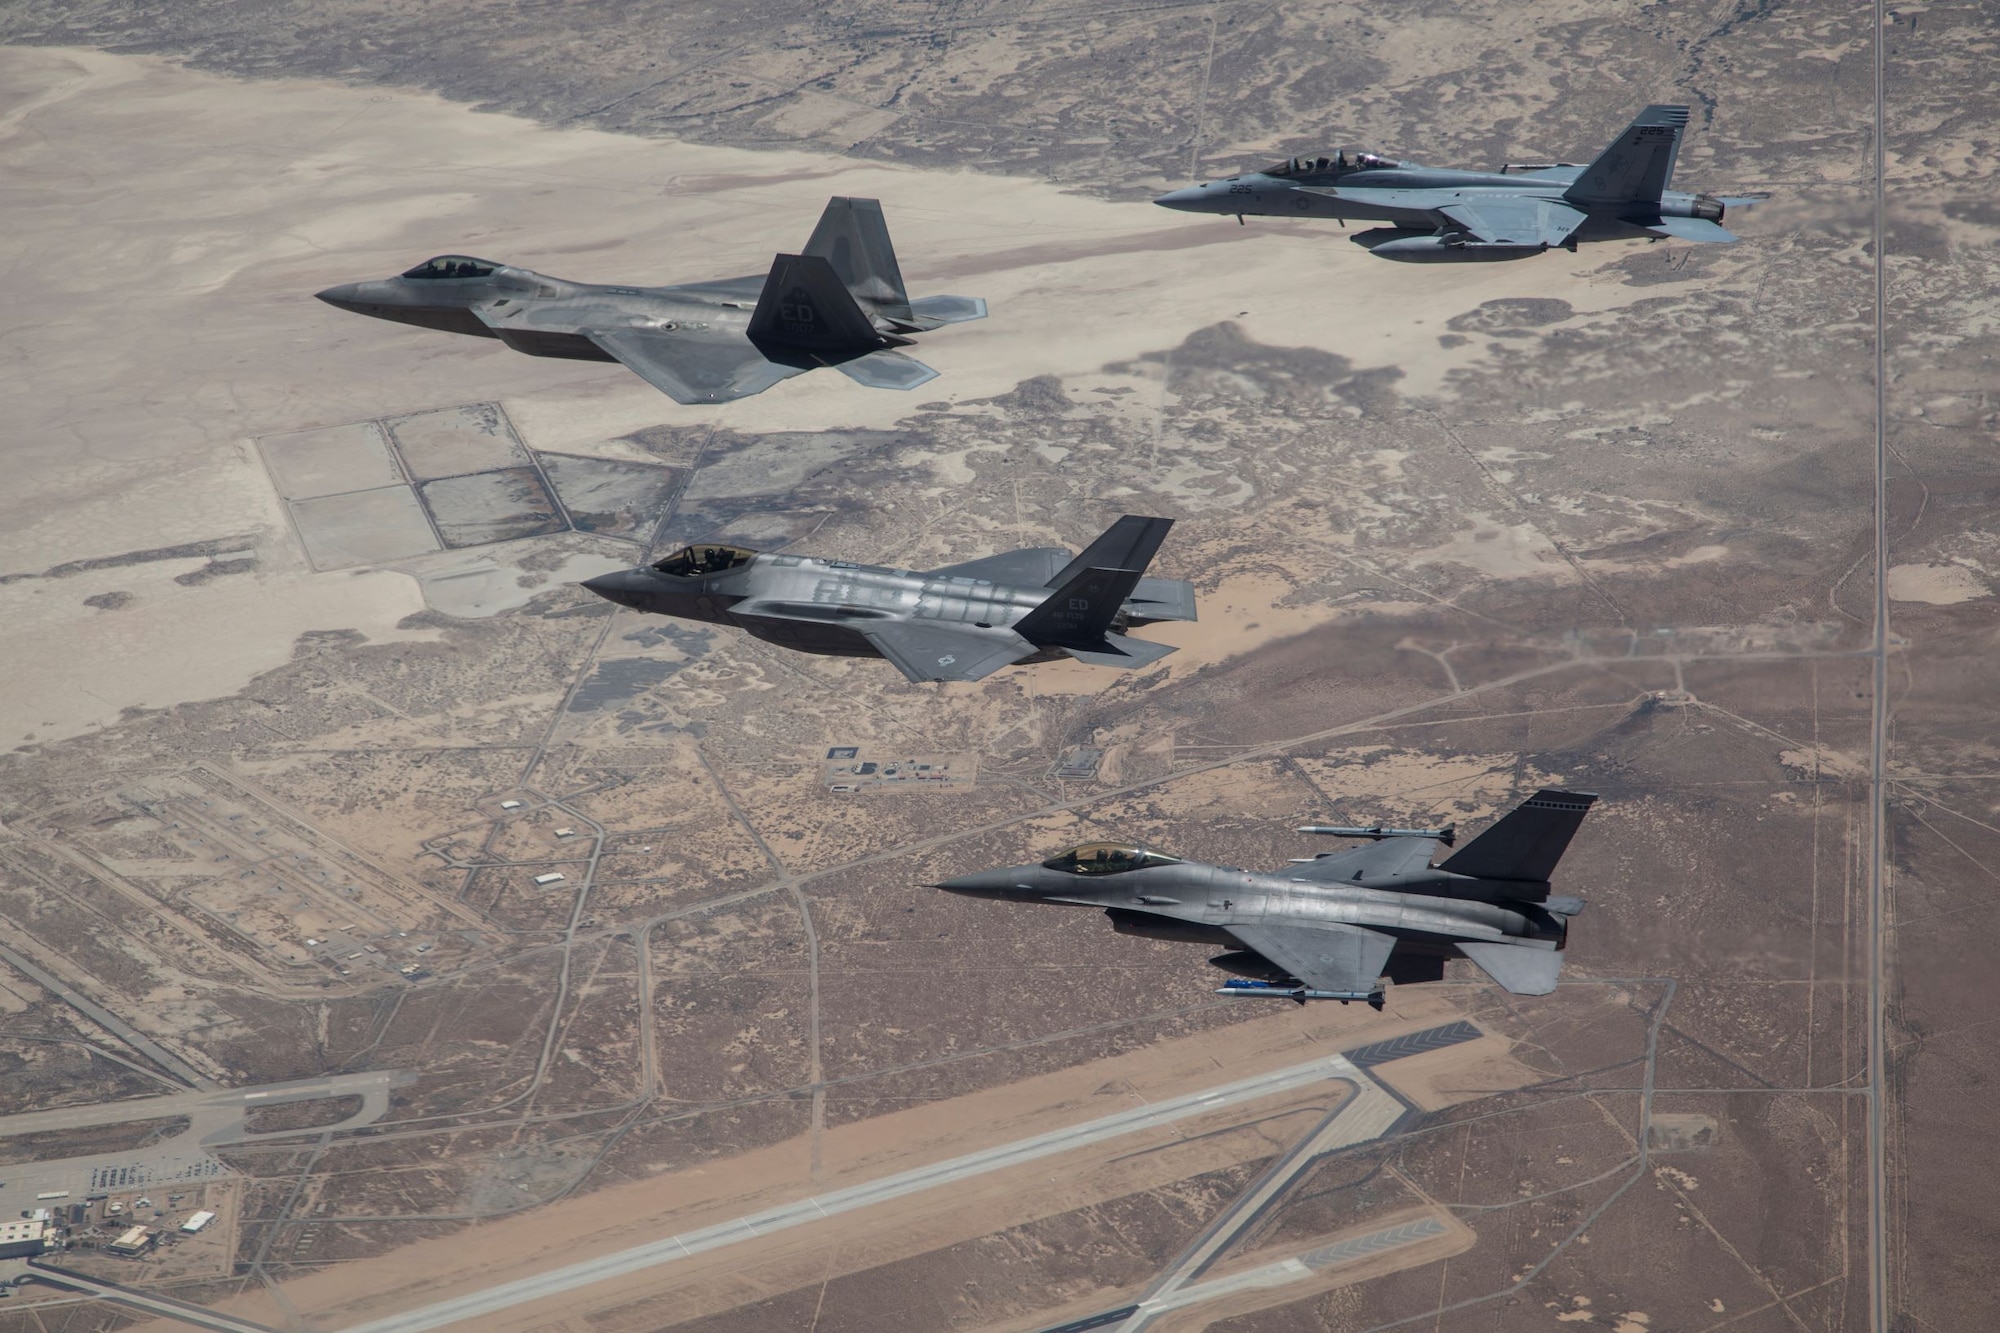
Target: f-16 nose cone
[1195,198]
[346,296]
[981,884]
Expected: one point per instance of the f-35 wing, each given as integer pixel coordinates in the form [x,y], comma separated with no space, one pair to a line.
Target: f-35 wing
[1346,960]
[1030,568]
[928,652]
[690,370]
[1514,220]
[1391,856]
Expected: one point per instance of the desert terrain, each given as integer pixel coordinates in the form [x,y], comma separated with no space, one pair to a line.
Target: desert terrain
[304,699]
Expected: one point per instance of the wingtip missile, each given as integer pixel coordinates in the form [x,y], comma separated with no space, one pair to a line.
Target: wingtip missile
[1446,835]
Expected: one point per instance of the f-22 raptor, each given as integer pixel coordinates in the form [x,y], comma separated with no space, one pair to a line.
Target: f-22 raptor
[840,303]
[1330,927]
[1440,214]
[962,622]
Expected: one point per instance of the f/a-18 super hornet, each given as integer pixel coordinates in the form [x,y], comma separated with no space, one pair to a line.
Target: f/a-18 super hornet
[962,622]
[1331,927]
[1436,213]
[839,303]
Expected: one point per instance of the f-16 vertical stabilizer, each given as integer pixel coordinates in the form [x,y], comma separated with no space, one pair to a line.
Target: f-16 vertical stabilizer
[1639,164]
[1527,842]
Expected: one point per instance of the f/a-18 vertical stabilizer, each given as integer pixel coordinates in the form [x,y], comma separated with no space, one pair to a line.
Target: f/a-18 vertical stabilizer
[1639,164]
[853,237]
[1527,842]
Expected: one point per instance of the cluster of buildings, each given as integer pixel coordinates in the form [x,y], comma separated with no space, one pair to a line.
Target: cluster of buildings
[43,1227]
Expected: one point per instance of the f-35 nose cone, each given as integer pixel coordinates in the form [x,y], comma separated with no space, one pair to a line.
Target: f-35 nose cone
[622,586]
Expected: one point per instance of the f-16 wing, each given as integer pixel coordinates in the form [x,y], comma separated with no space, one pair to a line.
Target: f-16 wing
[1347,960]
[1390,856]
[690,370]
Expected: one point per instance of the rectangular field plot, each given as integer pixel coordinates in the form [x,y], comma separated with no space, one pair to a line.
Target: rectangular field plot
[363,527]
[491,507]
[310,463]
[452,441]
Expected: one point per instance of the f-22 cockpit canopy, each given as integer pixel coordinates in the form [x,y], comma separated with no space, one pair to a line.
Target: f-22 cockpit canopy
[452,266]
[1325,166]
[1106,858]
[692,561]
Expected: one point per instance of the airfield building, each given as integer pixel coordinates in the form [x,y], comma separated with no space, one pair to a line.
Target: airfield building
[18,1240]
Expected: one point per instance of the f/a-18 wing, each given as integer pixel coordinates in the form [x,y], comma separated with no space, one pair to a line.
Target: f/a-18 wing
[1390,856]
[1347,960]
[691,370]
[927,652]
[1514,220]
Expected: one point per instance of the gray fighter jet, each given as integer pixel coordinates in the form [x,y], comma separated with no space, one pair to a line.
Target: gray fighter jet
[1330,927]
[841,303]
[962,622]
[1439,214]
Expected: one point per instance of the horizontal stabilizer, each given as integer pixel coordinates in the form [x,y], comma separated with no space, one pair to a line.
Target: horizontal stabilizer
[886,370]
[1699,230]
[1527,841]
[931,311]
[1521,969]
[1118,650]
[1161,599]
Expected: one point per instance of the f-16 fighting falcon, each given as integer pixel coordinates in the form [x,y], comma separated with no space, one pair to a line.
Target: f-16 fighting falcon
[839,303]
[1330,927]
[962,622]
[1440,214]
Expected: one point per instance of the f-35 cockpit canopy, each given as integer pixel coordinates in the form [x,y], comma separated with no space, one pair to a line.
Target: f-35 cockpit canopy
[1329,166]
[1106,858]
[692,561]
[452,266]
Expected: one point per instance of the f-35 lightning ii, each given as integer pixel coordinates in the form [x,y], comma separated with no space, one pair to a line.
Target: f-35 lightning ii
[1440,214]
[839,303]
[962,622]
[1330,927]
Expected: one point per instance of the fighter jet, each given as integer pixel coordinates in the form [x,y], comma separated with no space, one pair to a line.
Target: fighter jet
[1441,214]
[1330,927]
[840,303]
[962,622]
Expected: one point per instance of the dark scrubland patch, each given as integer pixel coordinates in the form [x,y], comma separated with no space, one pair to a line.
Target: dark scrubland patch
[1510,313]
[109,601]
[310,1113]
[51,1145]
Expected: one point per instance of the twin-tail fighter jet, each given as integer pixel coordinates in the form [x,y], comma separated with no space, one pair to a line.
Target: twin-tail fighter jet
[962,622]
[1438,214]
[1331,927]
[839,303]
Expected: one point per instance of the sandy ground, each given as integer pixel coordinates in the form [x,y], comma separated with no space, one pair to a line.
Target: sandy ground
[166,230]
[626,1215]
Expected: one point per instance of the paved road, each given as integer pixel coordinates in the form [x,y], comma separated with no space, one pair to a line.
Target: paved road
[105,1019]
[571,1277]
[197,1315]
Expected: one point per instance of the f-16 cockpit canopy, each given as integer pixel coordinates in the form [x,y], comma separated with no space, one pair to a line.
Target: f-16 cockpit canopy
[1326,166]
[1107,858]
[691,561]
[453,266]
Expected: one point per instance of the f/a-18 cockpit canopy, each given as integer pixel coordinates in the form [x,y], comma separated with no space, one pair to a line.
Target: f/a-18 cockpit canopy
[1324,166]
[1107,858]
[453,266]
[691,561]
